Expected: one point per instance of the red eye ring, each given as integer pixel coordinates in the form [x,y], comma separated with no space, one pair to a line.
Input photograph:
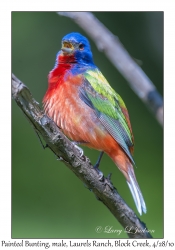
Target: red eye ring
[81,46]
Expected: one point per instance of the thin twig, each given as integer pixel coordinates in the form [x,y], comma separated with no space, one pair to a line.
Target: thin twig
[117,54]
[67,152]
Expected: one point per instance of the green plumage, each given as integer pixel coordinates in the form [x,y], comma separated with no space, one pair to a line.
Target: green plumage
[109,108]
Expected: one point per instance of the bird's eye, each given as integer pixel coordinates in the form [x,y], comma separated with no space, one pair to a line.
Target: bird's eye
[81,46]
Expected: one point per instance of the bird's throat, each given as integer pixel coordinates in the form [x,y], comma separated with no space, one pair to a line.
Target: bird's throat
[66,58]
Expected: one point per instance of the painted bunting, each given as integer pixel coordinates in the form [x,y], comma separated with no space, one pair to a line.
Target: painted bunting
[83,104]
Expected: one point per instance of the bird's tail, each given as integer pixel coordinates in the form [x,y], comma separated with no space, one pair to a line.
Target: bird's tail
[126,167]
[135,191]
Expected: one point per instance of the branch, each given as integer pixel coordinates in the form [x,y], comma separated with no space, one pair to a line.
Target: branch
[67,152]
[121,59]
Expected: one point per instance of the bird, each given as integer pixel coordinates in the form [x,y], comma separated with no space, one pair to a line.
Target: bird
[89,111]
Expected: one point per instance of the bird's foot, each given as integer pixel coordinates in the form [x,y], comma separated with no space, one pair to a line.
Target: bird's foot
[97,164]
[81,152]
[101,176]
[96,167]
[108,182]
[46,146]
[42,144]
[59,158]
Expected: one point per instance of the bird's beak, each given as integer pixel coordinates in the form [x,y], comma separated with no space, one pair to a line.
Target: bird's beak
[67,48]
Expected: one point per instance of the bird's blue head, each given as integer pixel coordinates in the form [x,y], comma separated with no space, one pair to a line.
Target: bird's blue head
[74,44]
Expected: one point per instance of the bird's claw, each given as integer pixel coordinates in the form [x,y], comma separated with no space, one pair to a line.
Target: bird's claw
[101,176]
[46,146]
[81,152]
[108,182]
[109,176]
[59,158]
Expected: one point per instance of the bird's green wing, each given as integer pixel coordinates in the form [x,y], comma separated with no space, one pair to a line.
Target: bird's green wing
[109,108]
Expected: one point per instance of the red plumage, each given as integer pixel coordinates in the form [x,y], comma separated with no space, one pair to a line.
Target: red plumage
[80,122]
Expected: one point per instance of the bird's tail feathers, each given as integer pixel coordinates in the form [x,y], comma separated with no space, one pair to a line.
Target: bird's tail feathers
[135,191]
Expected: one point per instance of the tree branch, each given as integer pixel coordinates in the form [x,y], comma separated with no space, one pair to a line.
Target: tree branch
[121,59]
[67,152]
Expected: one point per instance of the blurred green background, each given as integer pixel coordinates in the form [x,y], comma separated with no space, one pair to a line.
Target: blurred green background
[48,200]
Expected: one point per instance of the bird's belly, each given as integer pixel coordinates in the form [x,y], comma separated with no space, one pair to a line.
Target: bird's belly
[77,120]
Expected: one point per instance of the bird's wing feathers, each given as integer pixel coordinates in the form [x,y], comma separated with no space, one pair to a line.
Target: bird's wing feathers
[109,108]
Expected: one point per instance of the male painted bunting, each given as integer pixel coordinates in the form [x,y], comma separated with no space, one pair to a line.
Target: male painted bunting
[82,103]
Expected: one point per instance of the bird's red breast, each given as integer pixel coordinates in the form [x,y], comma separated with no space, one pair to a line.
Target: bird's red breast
[78,121]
